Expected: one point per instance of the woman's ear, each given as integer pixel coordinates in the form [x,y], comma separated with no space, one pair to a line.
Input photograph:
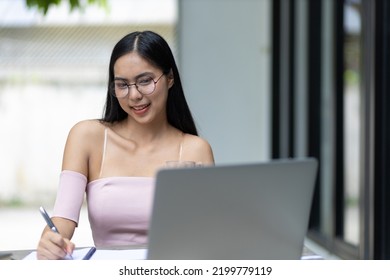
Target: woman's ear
[171,80]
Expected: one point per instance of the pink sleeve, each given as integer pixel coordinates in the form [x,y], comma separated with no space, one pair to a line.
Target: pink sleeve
[70,195]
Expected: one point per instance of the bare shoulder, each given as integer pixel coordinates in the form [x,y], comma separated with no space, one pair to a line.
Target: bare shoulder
[87,128]
[83,140]
[85,135]
[197,141]
[198,148]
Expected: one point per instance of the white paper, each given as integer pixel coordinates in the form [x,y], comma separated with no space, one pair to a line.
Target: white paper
[78,254]
[131,254]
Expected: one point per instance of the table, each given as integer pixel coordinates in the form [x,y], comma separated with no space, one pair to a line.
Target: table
[20,254]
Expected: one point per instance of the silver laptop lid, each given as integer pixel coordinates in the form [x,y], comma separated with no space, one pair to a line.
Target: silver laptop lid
[244,211]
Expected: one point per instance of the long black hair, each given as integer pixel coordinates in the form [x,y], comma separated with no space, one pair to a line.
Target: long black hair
[156,51]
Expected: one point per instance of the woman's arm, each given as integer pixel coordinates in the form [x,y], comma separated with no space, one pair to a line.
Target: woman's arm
[71,190]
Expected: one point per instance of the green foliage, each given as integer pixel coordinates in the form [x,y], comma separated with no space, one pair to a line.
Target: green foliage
[44,5]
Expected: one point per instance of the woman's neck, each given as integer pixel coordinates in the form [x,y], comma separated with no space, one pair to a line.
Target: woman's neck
[145,133]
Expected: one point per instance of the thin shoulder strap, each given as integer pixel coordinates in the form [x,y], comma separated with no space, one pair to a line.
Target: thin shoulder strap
[181,147]
[104,152]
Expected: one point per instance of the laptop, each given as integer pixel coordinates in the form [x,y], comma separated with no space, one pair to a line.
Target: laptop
[239,211]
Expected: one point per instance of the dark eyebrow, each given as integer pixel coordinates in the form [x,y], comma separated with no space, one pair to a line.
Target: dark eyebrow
[136,77]
[120,79]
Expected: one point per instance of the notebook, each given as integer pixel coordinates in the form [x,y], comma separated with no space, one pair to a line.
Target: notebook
[239,211]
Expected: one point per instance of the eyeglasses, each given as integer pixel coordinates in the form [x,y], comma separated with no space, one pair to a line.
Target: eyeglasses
[145,85]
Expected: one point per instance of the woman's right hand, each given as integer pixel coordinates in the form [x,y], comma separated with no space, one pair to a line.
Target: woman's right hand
[52,246]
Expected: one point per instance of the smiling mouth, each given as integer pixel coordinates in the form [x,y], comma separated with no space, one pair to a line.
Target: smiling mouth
[140,108]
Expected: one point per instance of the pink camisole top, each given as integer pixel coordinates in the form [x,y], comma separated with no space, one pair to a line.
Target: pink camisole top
[119,208]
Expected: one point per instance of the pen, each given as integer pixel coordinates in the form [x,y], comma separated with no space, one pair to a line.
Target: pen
[90,253]
[51,225]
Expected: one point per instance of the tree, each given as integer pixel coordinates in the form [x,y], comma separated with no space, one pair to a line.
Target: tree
[44,5]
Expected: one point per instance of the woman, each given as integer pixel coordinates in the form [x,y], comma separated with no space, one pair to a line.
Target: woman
[146,123]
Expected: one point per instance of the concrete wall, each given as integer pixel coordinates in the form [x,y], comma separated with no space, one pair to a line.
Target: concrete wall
[225,54]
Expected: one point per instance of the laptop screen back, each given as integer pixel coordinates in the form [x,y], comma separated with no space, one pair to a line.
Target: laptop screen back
[244,211]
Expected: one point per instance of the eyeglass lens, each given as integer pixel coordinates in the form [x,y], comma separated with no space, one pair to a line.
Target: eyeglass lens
[145,85]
